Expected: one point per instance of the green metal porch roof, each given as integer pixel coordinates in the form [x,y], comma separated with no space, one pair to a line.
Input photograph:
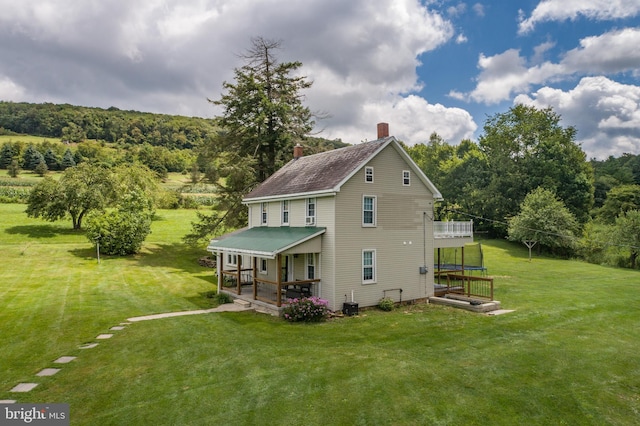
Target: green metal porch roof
[264,241]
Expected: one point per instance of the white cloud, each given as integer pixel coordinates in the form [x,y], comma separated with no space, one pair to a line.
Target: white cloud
[411,119]
[10,91]
[170,55]
[478,8]
[508,72]
[561,10]
[605,113]
[461,39]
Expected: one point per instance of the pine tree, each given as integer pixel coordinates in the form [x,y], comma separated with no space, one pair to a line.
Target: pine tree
[31,158]
[52,160]
[67,160]
[41,169]
[6,155]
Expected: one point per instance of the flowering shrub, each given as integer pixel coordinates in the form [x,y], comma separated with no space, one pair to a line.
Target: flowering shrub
[307,309]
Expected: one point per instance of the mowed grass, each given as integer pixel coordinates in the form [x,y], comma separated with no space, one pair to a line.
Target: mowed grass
[569,354]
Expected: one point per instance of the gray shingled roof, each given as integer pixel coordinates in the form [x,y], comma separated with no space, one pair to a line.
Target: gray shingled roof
[318,172]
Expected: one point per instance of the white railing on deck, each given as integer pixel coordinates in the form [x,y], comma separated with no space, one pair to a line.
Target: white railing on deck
[452,229]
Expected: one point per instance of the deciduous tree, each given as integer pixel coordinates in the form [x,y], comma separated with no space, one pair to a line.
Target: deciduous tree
[527,148]
[627,231]
[545,220]
[80,189]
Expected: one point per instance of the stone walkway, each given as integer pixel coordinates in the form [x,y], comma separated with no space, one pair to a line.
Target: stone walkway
[27,387]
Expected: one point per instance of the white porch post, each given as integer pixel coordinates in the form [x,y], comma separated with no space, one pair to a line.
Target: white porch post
[219,266]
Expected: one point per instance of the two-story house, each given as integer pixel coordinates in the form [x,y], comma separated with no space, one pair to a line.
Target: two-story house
[354,224]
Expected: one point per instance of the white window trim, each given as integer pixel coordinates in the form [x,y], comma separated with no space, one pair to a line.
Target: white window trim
[230,261]
[375,211]
[262,270]
[264,213]
[408,172]
[311,220]
[311,256]
[283,211]
[366,175]
[374,266]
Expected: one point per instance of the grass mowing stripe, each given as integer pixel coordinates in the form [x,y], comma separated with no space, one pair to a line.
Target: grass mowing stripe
[568,354]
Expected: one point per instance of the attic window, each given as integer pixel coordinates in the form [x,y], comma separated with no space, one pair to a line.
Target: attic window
[406,178]
[368,174]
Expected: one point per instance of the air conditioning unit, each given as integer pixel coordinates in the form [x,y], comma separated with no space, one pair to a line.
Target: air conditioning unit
[311,221]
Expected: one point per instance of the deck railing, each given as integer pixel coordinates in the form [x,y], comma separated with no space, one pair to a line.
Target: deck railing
[469,285]
[452,229]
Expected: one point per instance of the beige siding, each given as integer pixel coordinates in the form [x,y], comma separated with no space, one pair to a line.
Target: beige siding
[398,239]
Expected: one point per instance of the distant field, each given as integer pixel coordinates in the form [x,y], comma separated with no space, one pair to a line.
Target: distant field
[28,139]
[568,354]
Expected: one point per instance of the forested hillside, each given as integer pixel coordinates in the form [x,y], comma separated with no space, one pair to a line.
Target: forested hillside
[74,124]
[164,143]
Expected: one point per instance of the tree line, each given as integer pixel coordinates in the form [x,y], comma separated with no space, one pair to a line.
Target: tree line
[528,180]
[525,179]
[76,123]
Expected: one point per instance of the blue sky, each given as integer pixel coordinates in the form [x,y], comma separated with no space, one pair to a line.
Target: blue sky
[422,66]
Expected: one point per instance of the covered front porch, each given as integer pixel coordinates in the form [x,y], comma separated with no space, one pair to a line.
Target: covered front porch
[269,264]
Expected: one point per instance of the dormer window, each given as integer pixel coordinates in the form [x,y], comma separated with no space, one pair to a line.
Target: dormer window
[406,178]
[368,174]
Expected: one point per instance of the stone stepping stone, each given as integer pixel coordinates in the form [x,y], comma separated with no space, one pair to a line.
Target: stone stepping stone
[48,372]
[104,336]
[7,401]
[64,359]
[88,346]
[24,387]
[117,327]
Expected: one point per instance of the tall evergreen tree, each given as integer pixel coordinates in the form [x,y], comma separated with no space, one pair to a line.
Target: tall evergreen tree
[263,117]
[52,160]
[6,155]
[263,110]
[67,160]
[31,158]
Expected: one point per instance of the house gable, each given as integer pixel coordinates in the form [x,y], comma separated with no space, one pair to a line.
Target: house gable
[324,173]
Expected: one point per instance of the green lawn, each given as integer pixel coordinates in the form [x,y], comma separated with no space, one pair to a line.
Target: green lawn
[569,354]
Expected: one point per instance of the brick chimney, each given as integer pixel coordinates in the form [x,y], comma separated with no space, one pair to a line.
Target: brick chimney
[383,130]
[297,151]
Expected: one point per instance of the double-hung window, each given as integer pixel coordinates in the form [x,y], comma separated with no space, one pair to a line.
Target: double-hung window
[368,174]
[368,266]
[406,177]
[263,213]
[311,266]
[285,212]
[311,212]
[368,210]
[232,259]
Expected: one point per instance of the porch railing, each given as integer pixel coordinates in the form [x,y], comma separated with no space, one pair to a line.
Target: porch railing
[452,229]
[467,285]
[266,290]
